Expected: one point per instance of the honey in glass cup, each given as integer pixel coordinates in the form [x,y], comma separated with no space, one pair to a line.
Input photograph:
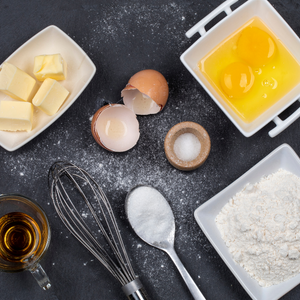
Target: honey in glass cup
[24,237]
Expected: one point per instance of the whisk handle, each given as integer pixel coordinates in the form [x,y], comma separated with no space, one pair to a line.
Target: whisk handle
[134,290]
[138,295]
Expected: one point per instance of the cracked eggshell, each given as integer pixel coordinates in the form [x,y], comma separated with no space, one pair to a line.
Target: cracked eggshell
[115,128]
[146,92]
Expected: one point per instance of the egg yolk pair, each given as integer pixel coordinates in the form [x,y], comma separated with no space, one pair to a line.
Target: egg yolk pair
[256,48]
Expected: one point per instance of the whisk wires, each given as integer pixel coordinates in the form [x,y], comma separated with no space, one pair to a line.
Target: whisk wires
[64,179]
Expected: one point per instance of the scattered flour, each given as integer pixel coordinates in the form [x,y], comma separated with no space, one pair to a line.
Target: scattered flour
[150,19]
[260,226]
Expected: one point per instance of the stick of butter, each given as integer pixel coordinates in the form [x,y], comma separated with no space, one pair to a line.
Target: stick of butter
[16,83]
[16,116]
[50,96]
[50,66]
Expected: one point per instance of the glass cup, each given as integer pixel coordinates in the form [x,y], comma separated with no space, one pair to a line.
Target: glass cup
[24,237]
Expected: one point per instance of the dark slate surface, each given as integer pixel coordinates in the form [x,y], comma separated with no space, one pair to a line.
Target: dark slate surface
[123,37]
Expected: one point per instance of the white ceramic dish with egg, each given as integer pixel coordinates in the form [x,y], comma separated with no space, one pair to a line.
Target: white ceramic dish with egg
[283,157]
[234,20]
[80,71]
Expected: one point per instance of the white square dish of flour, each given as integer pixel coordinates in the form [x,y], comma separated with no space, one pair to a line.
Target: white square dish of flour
[254,225]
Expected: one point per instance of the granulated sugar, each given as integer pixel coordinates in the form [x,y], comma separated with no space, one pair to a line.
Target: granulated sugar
[150,214]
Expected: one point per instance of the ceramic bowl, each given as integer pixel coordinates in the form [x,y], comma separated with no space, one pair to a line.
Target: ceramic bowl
[283,157]
[80,68]
[229,24]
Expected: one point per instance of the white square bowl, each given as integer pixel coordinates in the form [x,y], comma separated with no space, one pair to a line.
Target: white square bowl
[283,157]
[80,71]
[209,40]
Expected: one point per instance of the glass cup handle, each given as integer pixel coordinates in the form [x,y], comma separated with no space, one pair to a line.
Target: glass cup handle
[40,276]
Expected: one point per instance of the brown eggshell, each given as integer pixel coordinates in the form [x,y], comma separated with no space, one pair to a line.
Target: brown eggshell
[151,83]
[122,113]
[93,125]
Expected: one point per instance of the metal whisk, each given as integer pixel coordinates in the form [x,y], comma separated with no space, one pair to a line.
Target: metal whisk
[73,190]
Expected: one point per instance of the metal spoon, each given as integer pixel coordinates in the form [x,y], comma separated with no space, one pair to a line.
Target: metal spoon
[152,219]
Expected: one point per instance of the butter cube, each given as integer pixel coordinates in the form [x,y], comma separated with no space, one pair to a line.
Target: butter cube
[16,83]
[16,116]
[50,96]
[50,66]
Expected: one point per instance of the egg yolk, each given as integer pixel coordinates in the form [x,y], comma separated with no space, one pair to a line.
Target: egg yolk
[237,79]
[256,47]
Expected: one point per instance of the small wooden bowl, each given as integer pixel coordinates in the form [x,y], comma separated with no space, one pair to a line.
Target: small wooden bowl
[174,133]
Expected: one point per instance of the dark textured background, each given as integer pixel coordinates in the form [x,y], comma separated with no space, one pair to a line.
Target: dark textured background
[123,37]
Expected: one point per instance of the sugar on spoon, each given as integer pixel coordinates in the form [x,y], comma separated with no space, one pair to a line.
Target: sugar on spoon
[152,219]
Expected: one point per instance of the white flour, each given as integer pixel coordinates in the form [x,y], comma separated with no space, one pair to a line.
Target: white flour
[260,226]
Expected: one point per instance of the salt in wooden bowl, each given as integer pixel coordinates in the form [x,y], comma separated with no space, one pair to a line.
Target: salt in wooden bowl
[174,133]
